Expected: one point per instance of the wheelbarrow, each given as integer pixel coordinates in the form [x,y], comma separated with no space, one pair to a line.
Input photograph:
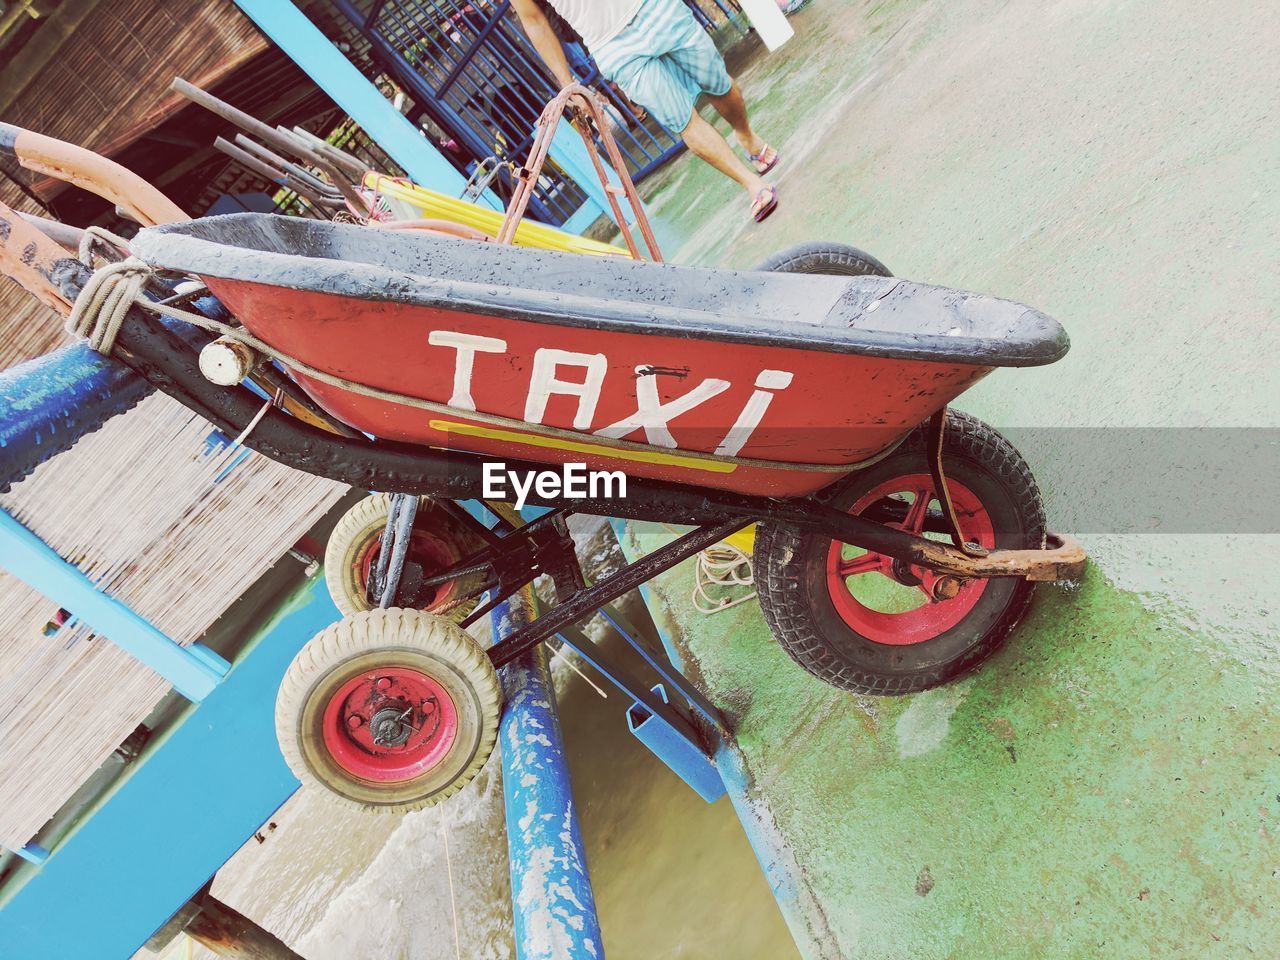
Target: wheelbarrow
[897,544]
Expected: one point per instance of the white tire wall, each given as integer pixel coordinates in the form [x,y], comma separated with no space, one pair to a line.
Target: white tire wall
[366,642]
[360,529]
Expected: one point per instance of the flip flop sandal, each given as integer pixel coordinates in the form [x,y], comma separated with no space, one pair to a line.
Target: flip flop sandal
[765,160]
[764,203]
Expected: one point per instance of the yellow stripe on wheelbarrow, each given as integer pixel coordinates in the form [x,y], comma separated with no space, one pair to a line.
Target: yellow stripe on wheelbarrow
[744,539]
[436,205]
[593,449]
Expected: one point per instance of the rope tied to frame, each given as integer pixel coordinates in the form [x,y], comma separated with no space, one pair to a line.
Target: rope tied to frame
[719,569]
[104,301]
[99,236]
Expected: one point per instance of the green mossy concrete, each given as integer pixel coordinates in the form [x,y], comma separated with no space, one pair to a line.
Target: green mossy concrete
[1109,785]
[1101,787]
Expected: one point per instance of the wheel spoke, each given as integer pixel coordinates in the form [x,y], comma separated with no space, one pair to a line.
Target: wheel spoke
[918,511]
[867,563]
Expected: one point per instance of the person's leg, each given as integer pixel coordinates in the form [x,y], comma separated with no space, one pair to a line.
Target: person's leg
[694,53]
[670,96]
[706,142]
[664,60]
[733,108]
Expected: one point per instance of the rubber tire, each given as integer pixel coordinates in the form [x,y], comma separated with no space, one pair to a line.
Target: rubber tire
[791,572]
[828,259]
[382,638]
[365,521]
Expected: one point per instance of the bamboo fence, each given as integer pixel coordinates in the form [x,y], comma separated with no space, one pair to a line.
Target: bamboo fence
[161,513]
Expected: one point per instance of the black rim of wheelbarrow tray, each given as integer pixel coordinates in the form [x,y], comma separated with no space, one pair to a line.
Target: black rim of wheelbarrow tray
[689,302]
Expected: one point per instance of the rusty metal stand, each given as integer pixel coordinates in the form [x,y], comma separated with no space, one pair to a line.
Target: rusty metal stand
[587,114]
[222,929]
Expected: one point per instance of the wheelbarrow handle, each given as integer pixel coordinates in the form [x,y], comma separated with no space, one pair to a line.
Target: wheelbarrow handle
[95,173]
[37,263]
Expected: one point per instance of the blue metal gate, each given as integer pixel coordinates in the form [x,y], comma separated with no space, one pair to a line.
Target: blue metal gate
[470,67]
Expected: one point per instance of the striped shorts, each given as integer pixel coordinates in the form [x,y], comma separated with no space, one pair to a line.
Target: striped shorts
[663,59]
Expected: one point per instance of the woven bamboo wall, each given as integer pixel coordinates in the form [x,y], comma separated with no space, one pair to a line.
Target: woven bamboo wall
[27,327]
[97,72]
[170,523]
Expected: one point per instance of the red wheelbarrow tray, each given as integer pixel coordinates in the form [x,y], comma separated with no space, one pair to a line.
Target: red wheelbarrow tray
[759,383]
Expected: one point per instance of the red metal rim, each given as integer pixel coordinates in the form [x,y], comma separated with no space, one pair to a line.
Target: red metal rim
[390,724]
[425,549]
[933,617]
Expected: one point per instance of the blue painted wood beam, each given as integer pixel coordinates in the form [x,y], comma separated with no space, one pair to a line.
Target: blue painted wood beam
[300,39]
[49,403]
[188,804]
[194,671]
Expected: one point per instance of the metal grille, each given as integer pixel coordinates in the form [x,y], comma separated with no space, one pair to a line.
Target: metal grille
[469,68]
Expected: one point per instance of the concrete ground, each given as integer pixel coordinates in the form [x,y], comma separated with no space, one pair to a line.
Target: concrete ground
[1109,785]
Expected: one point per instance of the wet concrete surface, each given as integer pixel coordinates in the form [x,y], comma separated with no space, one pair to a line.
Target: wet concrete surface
[1109,785]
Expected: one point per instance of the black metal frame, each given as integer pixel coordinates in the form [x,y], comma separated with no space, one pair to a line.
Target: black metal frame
[514,556]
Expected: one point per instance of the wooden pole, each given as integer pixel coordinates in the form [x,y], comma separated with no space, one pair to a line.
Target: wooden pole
[229,933]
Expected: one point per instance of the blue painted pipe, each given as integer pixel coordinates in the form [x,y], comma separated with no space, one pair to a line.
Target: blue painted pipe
[49,403]
[554,908]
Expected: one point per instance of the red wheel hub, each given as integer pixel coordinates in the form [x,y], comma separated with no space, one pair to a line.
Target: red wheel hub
[389,724]
[946,600]
[429,552]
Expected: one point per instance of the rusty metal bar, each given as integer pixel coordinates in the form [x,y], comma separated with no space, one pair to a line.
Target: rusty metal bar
[272,158]
[267,134]
[580,98]
[64,233]
[230,934]
[279,177]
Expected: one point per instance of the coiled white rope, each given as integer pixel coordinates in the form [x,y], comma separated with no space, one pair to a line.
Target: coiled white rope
[104,302]
[722,567]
